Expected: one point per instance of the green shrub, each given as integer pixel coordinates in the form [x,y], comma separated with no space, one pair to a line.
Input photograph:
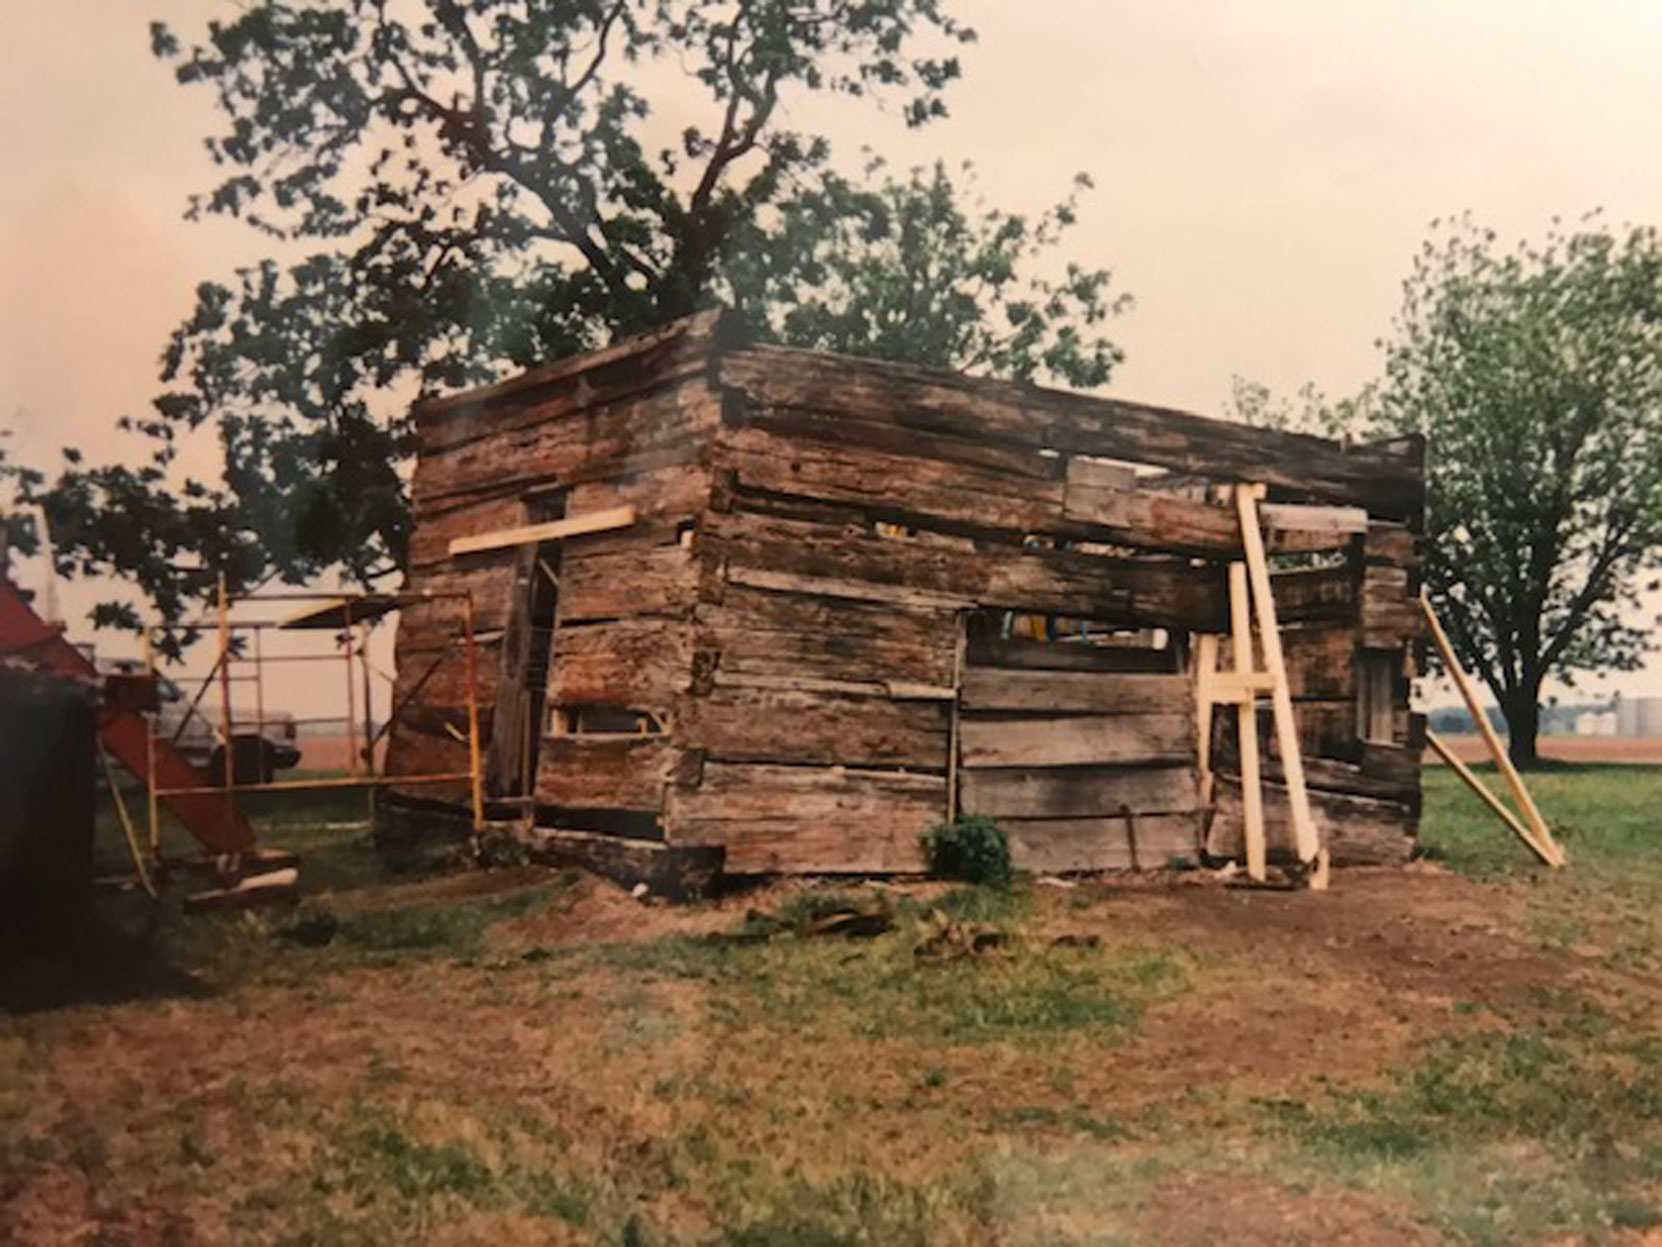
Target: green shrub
[973,848]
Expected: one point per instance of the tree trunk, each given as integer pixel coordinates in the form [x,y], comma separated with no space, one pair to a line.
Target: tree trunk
[1522,708]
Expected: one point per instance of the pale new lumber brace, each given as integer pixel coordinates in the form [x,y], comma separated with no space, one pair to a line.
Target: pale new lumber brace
[554,530]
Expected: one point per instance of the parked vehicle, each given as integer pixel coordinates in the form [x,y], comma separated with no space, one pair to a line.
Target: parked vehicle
[261,744]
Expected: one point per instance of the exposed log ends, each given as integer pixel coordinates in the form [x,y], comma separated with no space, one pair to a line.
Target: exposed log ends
[642,664]
[611,773]
[1392,544]
[806,819]
[1358,831]
[565,387]
[1108,499]
[1325,594]
[989,688]
[654,580]
[752,632]
[1065,846]
[1380,480]
[436,527]
[1080,792]
[647,432]
[1321,661]
[1077,741]
[784,726]
[1391,615]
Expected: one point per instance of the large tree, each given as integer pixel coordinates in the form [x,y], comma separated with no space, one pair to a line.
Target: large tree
[1535,373]
[913,269]
[457,187]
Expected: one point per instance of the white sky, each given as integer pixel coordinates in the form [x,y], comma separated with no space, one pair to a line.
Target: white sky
[1265,171]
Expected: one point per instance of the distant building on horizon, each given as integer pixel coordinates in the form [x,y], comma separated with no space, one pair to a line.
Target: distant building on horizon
[1639,716]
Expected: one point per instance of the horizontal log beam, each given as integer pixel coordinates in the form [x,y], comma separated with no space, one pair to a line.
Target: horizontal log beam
[1385,480]
[1077,740]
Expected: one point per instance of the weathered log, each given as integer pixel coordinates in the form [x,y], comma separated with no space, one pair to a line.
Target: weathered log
[680,872]
[645,432]
[1359,832]
[988,649]
[1380,479]
[809,819]
[754,632]
[1078,845]
[605,772]
[822,560]
[1079,792]
[559,390]
[642,664]
[782,726]
[988,688]
[1077,740]
[651,580]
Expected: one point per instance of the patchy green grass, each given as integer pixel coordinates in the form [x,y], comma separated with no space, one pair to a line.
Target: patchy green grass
[403,1060]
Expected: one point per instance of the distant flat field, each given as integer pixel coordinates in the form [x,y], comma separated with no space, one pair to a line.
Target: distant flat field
[1571,748]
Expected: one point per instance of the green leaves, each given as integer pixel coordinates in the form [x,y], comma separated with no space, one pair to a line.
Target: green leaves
[901,269]
[467,186]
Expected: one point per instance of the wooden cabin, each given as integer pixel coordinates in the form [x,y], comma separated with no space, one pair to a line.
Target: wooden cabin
[790,609]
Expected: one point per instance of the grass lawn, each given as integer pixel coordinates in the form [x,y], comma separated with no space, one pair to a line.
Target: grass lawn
[1466,1051]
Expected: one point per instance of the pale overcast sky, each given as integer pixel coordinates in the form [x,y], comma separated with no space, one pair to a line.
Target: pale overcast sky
[1264,173]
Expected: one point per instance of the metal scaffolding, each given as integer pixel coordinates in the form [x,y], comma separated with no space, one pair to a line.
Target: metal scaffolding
[349,617]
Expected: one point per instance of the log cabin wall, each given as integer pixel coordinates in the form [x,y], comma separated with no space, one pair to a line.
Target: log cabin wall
[864,515]
[814,629]
[628,425]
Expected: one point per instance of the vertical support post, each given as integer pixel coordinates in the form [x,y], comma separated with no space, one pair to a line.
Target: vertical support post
[226,726]
[1310,849]
[351,689]
[150,750]
[475,762]
[369,713]
[527,743]
[259,695]
[1246,727]
[1205,658]
[959,644]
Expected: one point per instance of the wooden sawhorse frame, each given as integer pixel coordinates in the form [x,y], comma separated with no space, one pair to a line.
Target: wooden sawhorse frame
[1249,596]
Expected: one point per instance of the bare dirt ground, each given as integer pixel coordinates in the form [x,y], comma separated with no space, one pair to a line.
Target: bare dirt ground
[609,1032]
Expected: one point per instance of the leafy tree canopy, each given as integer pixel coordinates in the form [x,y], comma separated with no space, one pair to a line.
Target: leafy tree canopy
[900,269]
[1536,375]
[454,188]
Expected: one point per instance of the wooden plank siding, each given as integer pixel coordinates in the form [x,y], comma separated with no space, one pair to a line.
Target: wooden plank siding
[812,535]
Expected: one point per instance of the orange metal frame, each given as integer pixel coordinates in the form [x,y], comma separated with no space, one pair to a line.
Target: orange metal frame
[352,641]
